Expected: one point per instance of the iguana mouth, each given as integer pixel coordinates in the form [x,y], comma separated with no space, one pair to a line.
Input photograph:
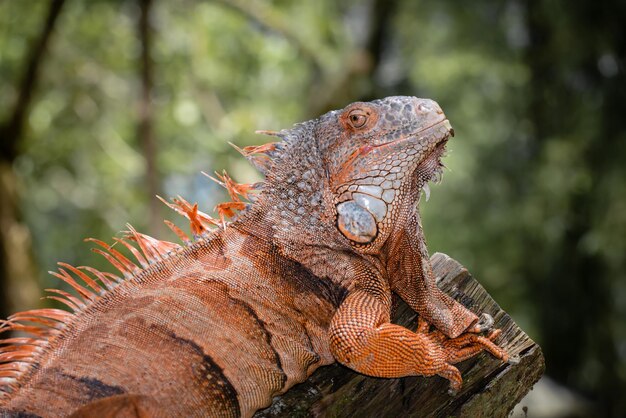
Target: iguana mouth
[433,161]
[431,167]
[445,123]
[413,136]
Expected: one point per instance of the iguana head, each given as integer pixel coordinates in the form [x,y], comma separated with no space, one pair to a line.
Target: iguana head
[352,175]
[378,156]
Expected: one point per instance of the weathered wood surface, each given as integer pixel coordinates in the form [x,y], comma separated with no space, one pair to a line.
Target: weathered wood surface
[490,387]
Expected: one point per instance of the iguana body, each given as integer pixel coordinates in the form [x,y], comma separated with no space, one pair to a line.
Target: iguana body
[303,276]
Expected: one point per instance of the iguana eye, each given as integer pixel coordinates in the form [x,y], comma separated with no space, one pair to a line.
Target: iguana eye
[357,118]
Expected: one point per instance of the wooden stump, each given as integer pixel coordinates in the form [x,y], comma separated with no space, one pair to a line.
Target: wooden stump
[490,388]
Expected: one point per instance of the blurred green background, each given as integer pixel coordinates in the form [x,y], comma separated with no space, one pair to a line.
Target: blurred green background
[104,104]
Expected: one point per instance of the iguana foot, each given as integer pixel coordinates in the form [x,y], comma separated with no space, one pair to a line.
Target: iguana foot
[456,350]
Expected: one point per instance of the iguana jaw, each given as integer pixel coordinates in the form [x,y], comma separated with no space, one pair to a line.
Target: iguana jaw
[428,144]
[409,150]
[430,166]
[365,210]
[421,134]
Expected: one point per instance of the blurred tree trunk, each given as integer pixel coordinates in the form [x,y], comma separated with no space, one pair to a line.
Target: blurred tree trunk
[145,129]
[579,278]
[358,79]
[18,279]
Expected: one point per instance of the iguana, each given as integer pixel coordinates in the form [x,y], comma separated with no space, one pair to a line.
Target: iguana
[302,276]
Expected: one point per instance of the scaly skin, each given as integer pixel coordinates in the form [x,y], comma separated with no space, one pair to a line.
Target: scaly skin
[302,277]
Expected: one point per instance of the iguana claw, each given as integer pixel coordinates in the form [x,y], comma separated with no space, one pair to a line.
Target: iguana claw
[514,359]
[485,323]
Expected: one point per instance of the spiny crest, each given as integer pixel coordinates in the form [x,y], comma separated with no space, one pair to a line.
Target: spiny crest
[262,156]
[234,189]
[37,328]
[18,354]
[200,222]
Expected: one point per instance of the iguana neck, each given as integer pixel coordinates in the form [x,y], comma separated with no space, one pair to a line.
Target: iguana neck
[295,208]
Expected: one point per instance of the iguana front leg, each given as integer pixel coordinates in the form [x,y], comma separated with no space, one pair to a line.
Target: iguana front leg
[362,338]
[411,277]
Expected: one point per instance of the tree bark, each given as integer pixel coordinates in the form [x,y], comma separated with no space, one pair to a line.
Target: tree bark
[18,279]
[490,387]
[145,130]
[11,131]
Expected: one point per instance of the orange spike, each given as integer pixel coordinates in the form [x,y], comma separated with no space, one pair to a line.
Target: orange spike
[266,132]
[23,316]
[184,205]
[108,283]
[70,300]
[244,189]
[56,314]
[222,183]
[15,366]
[229,208]
[18,347]
[260,162]
[12,348]
[172,206]
[198,220]
[67,278]
[239,150]
[119,266]
[260,149]
[38,320]
[153,245]
[148,252]
[63,301]
[88,280]
[129,265]
[31,329]
[113,277]
[20,340]
[133,250]
[12,367]
[234,189]
[196,225]
[203,216]
[179,233]
[17,355]
[51,317]
[162,247]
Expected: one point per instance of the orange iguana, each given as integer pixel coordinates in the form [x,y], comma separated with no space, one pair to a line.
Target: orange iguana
[302,276]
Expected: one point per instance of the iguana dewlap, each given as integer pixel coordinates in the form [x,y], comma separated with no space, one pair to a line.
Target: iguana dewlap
[302,276]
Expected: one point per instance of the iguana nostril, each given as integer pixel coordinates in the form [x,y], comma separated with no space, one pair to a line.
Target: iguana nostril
[424,108]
